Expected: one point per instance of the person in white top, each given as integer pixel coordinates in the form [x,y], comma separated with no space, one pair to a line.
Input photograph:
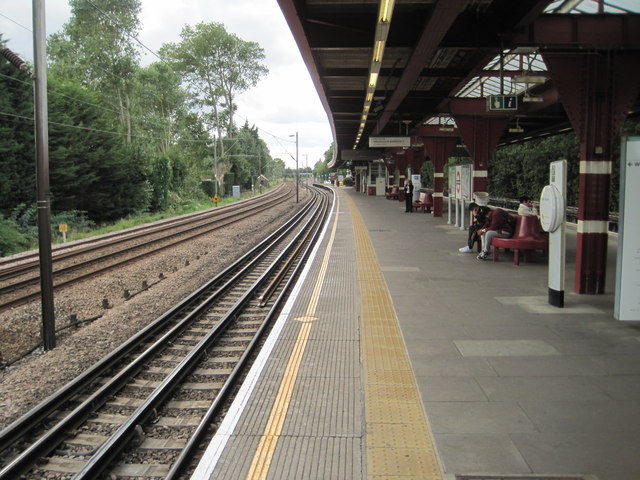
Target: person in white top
[526,207]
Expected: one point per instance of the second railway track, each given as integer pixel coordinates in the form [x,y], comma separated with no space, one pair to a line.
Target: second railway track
[144,410]
[19,282]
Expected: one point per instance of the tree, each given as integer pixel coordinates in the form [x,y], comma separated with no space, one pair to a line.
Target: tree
[249,156]
[97,47]
[159,101]
[90,169]
[216,66]
[17,143]
[320,170]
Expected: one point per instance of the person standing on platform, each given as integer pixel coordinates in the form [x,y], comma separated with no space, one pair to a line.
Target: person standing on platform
[408,196]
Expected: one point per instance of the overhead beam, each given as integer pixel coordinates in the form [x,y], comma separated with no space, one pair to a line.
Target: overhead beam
[598,32]
[444,14]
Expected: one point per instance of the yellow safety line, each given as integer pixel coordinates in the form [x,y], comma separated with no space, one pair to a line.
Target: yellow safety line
[269,439]
[398,437]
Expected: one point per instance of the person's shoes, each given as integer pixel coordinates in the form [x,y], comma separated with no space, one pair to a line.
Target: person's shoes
[482,256]
[464,249]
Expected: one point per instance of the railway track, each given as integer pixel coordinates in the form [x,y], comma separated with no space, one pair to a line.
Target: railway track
[19,282]
[144,410]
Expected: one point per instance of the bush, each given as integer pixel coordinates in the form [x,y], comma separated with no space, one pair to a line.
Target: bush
[11,239]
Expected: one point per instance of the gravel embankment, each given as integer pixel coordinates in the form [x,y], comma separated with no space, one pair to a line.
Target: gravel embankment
[170,276]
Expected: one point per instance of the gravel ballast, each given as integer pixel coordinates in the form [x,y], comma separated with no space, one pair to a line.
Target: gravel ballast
[154,285]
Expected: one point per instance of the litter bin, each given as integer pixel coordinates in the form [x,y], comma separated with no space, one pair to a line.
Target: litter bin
[371,189]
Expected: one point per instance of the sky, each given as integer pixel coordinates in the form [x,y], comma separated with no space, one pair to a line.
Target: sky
[283,103]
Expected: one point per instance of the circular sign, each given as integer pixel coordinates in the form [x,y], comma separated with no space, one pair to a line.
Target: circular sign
[551,208]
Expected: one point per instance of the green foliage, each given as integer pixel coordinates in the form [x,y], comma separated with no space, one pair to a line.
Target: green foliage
[328,154]
[216,66]
[25,218]
[523,168]
[75,219]
[97,47]
[426,175]
[17,151]
[90,169]
[160,178]
[126,139]
[321,170]
[11,239]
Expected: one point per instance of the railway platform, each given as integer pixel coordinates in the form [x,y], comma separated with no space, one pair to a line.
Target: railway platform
[397,357]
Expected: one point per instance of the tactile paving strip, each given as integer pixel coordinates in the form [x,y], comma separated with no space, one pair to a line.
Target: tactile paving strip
[398,438]
[518,477]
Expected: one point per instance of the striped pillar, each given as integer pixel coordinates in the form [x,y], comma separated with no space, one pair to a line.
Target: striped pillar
[438,149]
[596,90]
[480,135]
[593,224]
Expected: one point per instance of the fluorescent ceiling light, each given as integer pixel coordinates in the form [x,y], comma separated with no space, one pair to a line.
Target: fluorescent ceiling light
[378,49]
[386,9]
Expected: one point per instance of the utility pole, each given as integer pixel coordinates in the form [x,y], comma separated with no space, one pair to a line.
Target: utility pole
[297,170]
[42,169]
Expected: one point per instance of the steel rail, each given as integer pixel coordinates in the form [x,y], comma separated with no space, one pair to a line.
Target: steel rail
[140,230]
[52,437]
[110,449]
[145,231]
[30,420]
[214,224]
[181,463]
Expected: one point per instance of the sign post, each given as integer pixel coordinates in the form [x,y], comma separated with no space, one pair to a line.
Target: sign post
[63,228]
[552,220]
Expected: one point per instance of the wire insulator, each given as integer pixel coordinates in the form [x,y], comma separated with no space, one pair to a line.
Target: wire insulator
[16,61]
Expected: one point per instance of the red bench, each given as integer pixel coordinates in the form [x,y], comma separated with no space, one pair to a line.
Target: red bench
[527,237]
[392,194]
[425,202]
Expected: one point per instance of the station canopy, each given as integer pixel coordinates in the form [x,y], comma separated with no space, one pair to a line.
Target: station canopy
[383,68]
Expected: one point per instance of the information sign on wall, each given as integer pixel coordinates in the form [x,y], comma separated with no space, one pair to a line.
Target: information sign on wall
[383,142]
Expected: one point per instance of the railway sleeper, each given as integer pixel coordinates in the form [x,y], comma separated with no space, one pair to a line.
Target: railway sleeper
[136,470]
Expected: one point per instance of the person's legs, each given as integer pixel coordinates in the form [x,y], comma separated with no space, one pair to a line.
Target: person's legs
[473,235]
[486,242]
[471,239]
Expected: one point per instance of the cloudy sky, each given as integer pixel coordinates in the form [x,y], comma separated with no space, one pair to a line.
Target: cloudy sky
[283,103]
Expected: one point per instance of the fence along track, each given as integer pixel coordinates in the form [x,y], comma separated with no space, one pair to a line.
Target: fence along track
[193,342]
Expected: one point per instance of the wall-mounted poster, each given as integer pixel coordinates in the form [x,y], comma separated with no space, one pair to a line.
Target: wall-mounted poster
[627,304]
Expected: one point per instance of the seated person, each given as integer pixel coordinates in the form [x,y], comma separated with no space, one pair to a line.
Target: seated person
[479,216]
[526,207]
[498,224]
